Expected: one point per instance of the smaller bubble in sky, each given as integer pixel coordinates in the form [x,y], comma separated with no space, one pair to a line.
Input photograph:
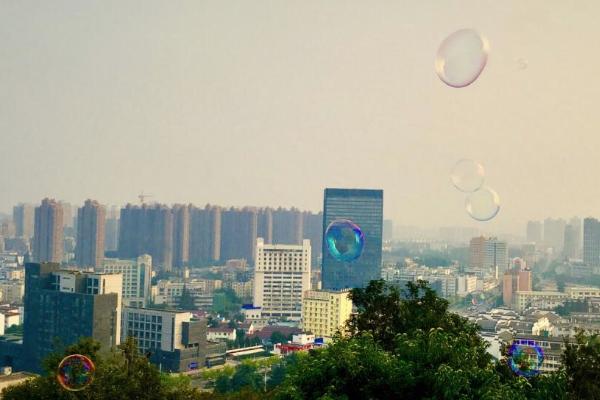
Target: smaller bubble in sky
[75,372]
[461,58]
[467,175]
[483,205]
[345,240]
[522,63]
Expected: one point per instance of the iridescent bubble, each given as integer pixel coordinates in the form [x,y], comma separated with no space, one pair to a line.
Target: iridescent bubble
[525,358]
[461,58]
[467,175]
[345,240]
[483,204]
[477,298]
[75,372]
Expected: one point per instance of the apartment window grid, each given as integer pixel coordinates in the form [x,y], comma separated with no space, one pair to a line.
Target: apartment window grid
[93,286]
[146,330]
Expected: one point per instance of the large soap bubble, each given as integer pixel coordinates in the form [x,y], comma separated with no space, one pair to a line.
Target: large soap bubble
[75,372]
[461,58]
[483,204]
[345,240]
[525,358]
[467,175]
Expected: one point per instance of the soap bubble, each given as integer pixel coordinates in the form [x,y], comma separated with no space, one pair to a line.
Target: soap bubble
[467,175]
[483,204]
[345,240]
[461,58]
[75,372]
[522,63]
[525,358]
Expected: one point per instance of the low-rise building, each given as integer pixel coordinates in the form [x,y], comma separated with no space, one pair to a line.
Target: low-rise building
[220,333]
[176,342]
[466,284]
[202,290]
[582,292]
[544,300]
[12,291]
[324,312]
[9,378]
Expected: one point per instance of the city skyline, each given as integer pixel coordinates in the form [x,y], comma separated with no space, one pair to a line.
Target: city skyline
[224,105]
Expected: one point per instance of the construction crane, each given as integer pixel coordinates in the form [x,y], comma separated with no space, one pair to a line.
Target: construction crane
[143,197]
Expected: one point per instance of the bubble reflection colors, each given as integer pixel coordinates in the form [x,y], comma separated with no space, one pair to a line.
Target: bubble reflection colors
[467,175]
[461,58]
[345,240]
[525,358]
[483,205]
[75,372]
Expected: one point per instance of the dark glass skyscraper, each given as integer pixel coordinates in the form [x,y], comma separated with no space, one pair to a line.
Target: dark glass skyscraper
[364,208]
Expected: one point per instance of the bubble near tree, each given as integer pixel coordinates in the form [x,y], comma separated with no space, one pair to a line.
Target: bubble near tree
[525,358]
[461,58]
[75,372]
[345,240]
[483,205]
[467,175]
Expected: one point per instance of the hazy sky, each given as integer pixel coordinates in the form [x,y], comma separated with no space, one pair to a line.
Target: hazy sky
[269,102]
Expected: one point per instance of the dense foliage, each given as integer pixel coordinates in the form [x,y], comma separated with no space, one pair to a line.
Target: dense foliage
[400,344]
[121,375]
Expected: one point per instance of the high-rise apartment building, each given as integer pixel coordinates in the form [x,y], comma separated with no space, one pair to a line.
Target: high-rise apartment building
[24,217]
[238,233]
[48,232]
[281,276]
[264,227]
[91,219]
[205,235]
[324,312]
[488,255]
[572,240]
[591,242]
[364,208]
[554,234]
[176,342]
[181,235]
[68,305]
[287,226]
[312,226]
[147,229]
[136,277]
[535,232]
[111,230]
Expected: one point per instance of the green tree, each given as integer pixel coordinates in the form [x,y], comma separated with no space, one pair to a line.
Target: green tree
[403,345]
[225,302]
[186,301]
[278,337]
[246,376]
[124,374]
[14,330]
[581,361]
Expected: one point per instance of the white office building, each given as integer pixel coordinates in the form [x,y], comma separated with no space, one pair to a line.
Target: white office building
[154,329]
[281,276]
[137,278]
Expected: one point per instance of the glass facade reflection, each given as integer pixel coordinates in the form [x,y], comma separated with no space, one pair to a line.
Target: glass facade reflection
[364,208]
